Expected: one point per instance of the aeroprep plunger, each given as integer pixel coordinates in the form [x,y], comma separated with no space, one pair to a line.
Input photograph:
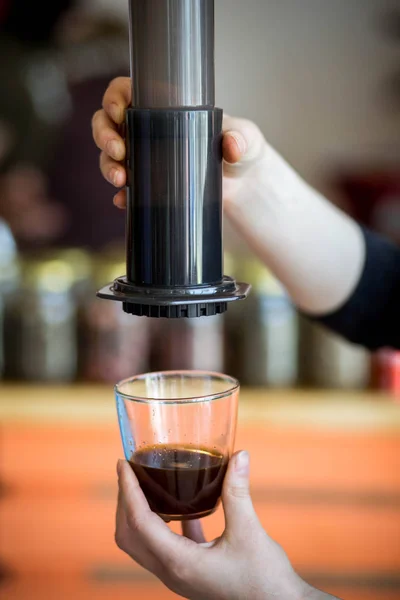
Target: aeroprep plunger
[174,245]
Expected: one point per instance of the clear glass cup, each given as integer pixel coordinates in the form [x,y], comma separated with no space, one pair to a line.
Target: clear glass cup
[178,432]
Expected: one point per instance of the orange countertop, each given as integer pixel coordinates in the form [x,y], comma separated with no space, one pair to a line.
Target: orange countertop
[325,479]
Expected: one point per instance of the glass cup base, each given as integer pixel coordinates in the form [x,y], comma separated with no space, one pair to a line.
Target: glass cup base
[191,517]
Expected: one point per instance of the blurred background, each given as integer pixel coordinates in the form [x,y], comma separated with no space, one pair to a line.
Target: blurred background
[322,80]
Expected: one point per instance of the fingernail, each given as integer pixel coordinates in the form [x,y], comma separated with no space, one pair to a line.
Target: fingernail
[242,463]
[119,467]
[114,176]
[241,142]
[117,202]
[114,149]
[115,112]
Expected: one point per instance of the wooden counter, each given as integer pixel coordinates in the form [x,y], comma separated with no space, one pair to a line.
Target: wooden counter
[94,404]
[325,475]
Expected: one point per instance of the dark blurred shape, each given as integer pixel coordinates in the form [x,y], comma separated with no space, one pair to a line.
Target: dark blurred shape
[59,62]
[75,179]
[393,87]
[27,40]
[373,196]
[90,62]
[35,218]
[390,23]
[33,102]
[31,23]
[31,131]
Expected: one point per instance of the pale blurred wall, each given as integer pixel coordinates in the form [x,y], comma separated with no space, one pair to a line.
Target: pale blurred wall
[311,73]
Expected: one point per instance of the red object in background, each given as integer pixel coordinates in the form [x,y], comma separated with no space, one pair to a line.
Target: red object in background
[373,199]
[387,370]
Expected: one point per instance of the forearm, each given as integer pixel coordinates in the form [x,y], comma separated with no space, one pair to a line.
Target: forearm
[314,249]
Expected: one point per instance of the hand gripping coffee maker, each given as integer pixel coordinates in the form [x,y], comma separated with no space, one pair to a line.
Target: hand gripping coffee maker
[174,246]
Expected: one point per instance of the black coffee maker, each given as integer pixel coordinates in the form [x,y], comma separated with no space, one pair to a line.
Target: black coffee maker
[174,245]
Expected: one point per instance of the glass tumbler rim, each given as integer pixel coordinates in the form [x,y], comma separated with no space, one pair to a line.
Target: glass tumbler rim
[235,385]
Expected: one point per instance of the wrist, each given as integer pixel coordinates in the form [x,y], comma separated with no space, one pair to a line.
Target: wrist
[311,593]
[298,589]
[290,585]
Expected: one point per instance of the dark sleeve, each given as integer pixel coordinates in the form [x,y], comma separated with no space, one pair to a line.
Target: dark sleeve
[371,316]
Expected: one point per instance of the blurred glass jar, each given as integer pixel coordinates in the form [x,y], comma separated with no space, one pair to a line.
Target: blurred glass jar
[81,263]
[262,331]
[113,344]
[40,324]
[9,280]
[331,362]
[187,344]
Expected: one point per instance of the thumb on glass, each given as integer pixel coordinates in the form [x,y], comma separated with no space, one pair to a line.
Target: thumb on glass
[236,499]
